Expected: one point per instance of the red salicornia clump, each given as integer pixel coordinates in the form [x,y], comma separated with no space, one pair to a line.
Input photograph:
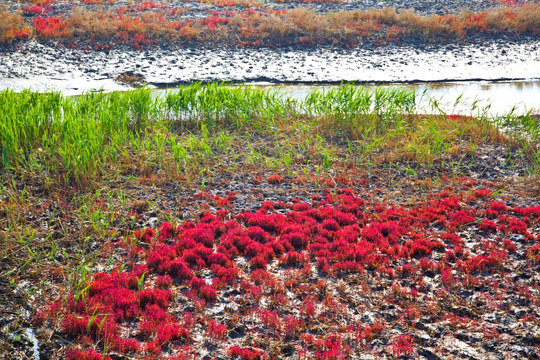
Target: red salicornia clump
[51,26]
[288,267]
[403,345]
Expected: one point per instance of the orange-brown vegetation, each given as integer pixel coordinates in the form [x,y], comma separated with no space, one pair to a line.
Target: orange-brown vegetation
[12,26]
[150,23]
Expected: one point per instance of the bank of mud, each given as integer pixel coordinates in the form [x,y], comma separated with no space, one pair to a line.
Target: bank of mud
[44,67]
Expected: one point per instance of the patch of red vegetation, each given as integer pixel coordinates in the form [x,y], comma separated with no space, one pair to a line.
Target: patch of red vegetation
[91,354]
[275,179]
[51,26]
[33,9]
[292,256]
[147,5]
[402,345]
[246,353]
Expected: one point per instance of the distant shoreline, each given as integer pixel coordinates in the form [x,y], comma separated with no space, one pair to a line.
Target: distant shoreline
[174,26]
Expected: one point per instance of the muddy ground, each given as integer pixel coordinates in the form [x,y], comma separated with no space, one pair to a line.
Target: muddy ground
[44,67]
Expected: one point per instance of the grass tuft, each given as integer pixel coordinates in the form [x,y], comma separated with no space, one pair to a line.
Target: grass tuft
[97,136]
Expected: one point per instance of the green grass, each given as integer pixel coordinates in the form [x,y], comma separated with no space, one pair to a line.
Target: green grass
[78,140]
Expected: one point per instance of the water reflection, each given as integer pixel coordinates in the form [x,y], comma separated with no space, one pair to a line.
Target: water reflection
[465,98]
[462,98]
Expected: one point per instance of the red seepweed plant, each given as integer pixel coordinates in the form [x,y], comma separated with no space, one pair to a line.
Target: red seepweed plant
[295,269]
[50,27]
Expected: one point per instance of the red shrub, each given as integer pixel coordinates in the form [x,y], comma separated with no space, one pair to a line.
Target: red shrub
[75,325]
[460,218]
[163,282]
[246,353]
[256,233]
[160,258]
[373,331]
[402,345]
[169,332]
[35,9]
[218,258]
[534,253]
[224,275]
[258,262]
[330,225]
[145,235]
[180,270]
[196,283]
[297,239]
[216,331]
[274,179]
[484,262]
[487,225]
[147,5]
[483,193]
[103,282]
[126,345]
[447,278]
[159,297]
[208,293]
[343,267]
[509,245]
[498,207]
[308,308]
[517,227]
[166,231]
[91,354]
[294,259]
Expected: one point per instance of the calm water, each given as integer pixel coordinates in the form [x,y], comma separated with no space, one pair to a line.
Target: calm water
[467,98]
[464,98]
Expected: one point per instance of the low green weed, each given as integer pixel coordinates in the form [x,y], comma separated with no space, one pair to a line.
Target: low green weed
[80,140]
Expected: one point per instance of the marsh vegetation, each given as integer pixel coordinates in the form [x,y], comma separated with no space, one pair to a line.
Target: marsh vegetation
[238,222]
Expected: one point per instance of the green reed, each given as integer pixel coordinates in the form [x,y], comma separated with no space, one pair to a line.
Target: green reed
[79,139]
[359,112]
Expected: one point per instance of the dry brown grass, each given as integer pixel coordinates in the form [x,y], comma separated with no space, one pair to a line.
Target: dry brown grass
[531,185]
[281,28]
[431,24]
[108,27]
[83,23]
[12,26]
[130,78]
[528,19]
